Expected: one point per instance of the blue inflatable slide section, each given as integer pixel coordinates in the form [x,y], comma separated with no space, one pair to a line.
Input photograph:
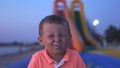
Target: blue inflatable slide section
[92,61]
[100,61]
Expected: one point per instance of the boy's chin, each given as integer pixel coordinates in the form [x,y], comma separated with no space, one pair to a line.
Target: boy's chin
[59,50]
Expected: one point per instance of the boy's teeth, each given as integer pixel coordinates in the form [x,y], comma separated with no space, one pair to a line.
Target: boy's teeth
[56,44]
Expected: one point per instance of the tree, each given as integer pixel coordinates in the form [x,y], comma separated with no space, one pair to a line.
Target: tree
[118,36]
[111,34]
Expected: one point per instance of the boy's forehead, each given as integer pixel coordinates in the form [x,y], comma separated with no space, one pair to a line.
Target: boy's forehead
[54,26]
[54,23]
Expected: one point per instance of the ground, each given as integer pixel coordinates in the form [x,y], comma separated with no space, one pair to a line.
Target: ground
[8,59]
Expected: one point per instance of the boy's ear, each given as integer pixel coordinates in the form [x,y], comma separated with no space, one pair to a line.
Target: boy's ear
[40,40]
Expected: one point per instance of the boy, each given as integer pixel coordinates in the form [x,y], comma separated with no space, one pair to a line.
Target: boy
[55,37]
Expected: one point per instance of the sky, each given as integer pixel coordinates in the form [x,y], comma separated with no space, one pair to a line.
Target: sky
[19,19]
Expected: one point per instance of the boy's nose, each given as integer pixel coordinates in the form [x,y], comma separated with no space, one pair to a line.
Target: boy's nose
[57,38]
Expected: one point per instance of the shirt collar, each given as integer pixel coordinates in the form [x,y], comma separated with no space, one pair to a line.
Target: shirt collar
[50,60]
[66,56]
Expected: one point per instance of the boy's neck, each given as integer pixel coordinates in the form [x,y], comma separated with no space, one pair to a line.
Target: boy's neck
[57,57]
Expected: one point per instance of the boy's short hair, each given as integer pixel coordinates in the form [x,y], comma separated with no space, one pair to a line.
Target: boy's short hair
[53,19]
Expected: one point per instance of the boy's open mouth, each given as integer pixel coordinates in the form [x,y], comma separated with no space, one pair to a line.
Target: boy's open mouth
[56,44]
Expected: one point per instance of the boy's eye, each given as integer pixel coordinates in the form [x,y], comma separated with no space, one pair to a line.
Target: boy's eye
[59,35]
[51,36]
[62,35]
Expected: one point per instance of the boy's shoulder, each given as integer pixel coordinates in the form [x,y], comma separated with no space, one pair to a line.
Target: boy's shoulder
[73,52]
[38,53]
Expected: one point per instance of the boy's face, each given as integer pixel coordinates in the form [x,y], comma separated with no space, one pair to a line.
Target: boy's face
[55,38]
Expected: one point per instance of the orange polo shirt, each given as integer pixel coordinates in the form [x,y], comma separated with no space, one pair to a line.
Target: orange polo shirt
[71,59]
